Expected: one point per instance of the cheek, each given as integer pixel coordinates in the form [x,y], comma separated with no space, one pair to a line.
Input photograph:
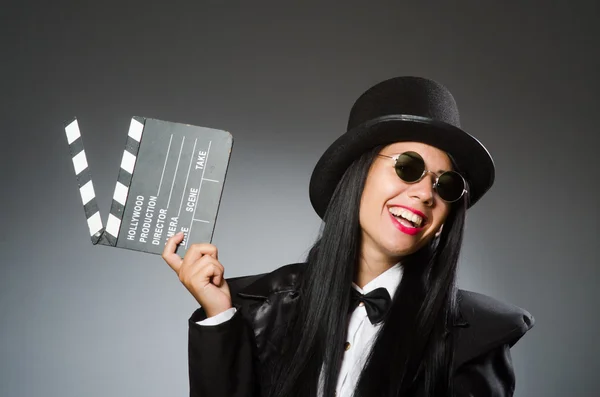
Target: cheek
[366,210]
[381,187]
[373,199]
[373,207]
[370,206]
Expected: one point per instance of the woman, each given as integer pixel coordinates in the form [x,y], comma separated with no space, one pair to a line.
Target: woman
[374,311]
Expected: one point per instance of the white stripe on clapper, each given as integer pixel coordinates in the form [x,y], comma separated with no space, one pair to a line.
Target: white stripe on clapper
[128,162]
[87,192]
[135,129]
[95,223]
[72,131]
[112,225]
[120,195]
[80,162]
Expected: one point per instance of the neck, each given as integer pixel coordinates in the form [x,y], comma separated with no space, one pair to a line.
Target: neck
[371,265]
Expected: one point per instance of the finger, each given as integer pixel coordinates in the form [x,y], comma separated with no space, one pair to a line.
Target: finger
[169,255]
[196,252]
[207,268]
[215,273]
[218,279]
[204,262]
[200,249]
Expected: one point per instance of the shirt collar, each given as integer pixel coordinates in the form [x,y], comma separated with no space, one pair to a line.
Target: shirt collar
[390,279]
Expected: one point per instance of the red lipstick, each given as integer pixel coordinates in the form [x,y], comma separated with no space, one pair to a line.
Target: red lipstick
[408,230]
[405,229]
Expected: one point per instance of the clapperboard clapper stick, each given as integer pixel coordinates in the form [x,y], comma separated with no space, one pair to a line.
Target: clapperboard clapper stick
[171,180]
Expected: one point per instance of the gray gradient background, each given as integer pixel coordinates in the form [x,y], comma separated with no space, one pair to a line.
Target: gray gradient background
[80,320]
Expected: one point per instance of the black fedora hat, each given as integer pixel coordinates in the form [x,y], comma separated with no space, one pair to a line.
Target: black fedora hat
[403,109]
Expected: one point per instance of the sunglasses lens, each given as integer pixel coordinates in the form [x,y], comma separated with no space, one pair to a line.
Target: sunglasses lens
[410,166]
[450,186]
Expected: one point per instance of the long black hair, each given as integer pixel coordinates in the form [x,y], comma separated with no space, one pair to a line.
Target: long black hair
[413,342]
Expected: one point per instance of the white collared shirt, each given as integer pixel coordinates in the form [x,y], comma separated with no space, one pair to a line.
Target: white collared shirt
[360,336]
[361,333]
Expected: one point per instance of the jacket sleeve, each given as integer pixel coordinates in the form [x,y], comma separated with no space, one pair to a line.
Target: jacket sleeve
[489,375]
[222,358]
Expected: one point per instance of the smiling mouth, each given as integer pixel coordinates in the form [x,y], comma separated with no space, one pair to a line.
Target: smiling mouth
[407,218]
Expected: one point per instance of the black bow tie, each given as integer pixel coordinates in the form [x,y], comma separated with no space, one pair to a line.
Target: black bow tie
[377,303]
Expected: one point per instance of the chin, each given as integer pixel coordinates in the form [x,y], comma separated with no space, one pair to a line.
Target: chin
[400,250]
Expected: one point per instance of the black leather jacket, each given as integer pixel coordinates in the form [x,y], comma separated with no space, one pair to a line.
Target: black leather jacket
[224,360]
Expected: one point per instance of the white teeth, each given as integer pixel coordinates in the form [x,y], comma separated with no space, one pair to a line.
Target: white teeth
[406,214]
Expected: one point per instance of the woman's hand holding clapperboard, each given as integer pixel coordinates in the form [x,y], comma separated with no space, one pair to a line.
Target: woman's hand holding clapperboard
[201,273]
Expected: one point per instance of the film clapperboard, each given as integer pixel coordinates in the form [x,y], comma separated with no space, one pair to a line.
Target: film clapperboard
[171,179]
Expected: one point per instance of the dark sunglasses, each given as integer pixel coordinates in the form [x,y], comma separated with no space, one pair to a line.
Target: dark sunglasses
[410,167]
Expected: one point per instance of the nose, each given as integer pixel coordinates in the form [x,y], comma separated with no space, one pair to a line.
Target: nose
[423,190]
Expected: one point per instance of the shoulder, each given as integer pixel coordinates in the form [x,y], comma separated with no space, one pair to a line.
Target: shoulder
[267,303]
[283,279]
[483,310]
[488,323]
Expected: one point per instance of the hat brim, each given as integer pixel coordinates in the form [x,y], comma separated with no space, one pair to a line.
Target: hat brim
[471,157]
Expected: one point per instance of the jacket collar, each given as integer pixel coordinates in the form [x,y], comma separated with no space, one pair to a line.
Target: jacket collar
[286,279]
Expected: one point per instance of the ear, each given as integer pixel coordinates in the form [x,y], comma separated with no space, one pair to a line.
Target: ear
[437,234]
